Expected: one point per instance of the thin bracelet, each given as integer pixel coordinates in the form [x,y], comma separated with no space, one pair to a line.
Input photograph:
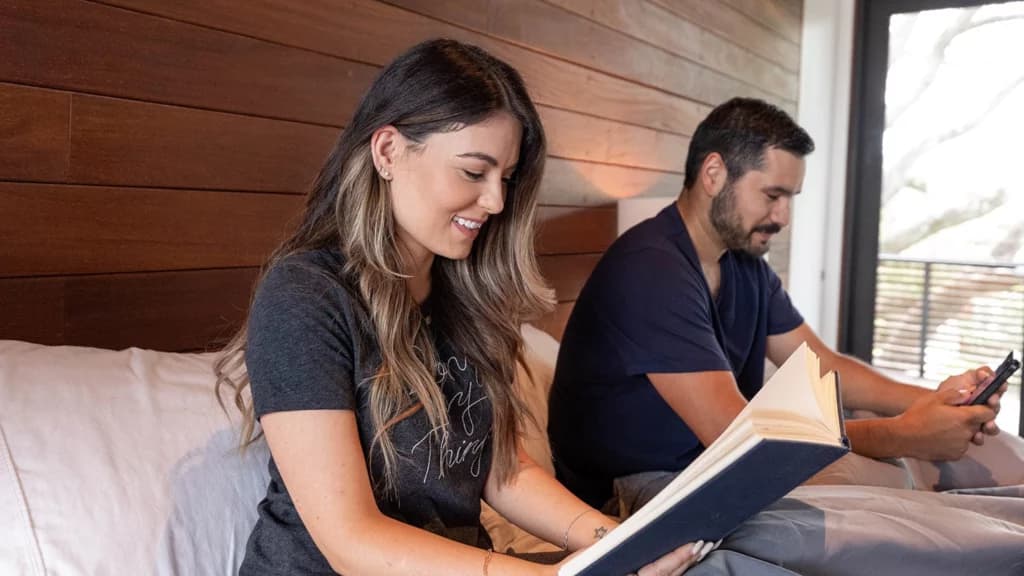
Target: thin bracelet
[487,560]
[565,541]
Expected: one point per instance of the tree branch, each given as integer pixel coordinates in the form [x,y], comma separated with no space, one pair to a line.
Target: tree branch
[933,62]
[1006,249]
[895,176]
[900,241]
[899,37]
[962,24]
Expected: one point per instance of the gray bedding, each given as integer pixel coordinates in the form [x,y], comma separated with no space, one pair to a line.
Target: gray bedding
[846,530]
[840,524]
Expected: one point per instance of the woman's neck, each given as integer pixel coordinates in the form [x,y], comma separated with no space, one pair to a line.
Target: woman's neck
[417,262]
[418,281]
[419,287]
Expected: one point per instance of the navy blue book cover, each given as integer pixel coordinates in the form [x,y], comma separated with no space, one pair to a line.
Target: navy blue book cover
[769,471]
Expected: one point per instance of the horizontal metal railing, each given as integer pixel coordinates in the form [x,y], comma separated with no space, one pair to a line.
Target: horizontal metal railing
[934,318]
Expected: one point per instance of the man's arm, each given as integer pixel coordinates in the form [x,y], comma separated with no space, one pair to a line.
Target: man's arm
[707,401]
[922,423]
[864,388]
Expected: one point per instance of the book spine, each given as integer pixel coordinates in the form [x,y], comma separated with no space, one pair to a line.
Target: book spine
[842,413]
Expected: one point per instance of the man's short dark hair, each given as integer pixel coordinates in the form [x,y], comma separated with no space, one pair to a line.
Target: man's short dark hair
[741,131]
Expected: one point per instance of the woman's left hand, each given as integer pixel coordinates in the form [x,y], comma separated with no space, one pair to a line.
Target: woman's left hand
[679,560]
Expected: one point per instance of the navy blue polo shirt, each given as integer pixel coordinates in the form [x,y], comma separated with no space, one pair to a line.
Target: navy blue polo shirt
[647,309]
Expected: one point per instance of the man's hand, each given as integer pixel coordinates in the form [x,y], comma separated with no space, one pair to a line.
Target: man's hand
[937,426]
[970,380]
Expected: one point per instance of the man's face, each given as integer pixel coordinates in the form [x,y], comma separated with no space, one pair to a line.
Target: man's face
[749,210]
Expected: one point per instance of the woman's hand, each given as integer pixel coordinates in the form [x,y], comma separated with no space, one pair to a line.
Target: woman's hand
[672,564]
[679,560]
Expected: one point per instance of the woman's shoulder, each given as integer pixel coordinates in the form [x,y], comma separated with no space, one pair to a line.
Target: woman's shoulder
[317,261]
[302,337]
[310,276]
[314,268]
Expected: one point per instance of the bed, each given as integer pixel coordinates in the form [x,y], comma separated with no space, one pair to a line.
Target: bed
[122,462]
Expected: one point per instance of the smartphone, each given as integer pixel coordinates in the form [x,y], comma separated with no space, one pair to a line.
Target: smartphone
[987,389]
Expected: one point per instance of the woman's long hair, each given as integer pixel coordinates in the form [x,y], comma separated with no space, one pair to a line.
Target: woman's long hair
[480,302]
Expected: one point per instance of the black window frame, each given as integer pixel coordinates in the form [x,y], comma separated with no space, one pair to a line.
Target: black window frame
[864,165]
[864,169]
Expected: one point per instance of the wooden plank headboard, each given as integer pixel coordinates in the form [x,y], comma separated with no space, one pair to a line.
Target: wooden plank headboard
[154,156]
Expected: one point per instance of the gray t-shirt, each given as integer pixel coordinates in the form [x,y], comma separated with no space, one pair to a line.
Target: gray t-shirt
[311,347]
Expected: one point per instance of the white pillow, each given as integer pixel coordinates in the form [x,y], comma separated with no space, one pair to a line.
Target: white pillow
[123,462]
[120,463]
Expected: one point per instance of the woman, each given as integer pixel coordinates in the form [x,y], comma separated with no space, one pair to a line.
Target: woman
[381,343]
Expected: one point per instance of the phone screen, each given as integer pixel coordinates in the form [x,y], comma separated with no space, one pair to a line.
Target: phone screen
[985,390]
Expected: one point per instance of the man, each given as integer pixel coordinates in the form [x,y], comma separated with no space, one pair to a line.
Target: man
[668,339]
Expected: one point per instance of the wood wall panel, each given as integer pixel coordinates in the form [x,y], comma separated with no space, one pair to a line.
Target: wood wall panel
[560,84]
[737,28]
[33,134]
[129,143]
[32,309]
[573,230]
[172,62]
[195,310]
[123,142]
[58,229]
[577,183]
[545,27]
[794,7]
[191,310]
[568,273]
[353,30]
[781,16]
[554,323]
[581,137]
[155,151]
[654,24]
[360,30]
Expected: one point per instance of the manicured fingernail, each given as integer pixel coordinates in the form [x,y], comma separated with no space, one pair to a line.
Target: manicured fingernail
[717,544]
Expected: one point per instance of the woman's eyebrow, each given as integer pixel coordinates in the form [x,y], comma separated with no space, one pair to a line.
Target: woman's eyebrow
[481,156]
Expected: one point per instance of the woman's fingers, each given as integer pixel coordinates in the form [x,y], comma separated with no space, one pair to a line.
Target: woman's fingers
[675,562]
[679,560]
[684,557]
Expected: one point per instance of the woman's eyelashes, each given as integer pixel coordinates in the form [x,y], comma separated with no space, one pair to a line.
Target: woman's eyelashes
[479,176]
[473,176]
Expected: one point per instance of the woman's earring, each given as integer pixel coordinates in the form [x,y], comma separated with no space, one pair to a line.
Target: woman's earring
[385,174]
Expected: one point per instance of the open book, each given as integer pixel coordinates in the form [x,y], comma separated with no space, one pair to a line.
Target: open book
[789,431]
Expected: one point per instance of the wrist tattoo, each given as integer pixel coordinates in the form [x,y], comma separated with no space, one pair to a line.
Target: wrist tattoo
[599,532]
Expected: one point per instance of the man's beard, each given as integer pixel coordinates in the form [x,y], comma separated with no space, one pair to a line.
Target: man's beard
[729,225]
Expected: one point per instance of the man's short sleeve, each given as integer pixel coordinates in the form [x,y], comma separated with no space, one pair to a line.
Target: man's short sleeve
[782,315]
[299,350]
[659,312]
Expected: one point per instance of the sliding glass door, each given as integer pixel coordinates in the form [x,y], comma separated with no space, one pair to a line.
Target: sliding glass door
[934,250]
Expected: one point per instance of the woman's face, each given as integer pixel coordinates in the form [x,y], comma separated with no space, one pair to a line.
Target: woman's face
[444,190]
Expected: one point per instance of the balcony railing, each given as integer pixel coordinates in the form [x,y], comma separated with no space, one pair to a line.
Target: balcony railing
[936,318]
